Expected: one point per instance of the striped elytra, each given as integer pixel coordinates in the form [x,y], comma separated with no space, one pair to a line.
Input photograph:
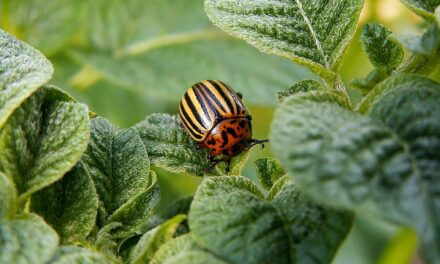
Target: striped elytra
[215,117]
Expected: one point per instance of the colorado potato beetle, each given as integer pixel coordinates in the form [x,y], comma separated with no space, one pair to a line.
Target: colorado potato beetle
[215,117]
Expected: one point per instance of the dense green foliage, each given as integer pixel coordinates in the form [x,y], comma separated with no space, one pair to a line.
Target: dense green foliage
[75,188]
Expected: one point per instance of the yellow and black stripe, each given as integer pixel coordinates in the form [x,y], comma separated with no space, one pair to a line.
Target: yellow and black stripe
[204,103]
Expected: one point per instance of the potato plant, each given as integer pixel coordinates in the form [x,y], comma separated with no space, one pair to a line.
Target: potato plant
[75,188]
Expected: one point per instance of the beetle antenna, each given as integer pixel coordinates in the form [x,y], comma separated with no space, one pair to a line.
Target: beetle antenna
[257,142]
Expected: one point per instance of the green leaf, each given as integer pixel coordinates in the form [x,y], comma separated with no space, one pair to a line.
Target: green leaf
[119,166]
[8,197]
[277,187]
[310,225]
[257,76]
[69,205]
[424,8]
[302,86]
[170,148]
[398,82]
[129,25]
[230,217]
[43,140]
[412,111]
[22,72]
[324,96]
[151,241]
[348,161]
[374,77]
[311,32]
[162,47]
[184,250]
[179,206]
[427,44]
[73,254]
[27,239]
[49,29]
[136,212]
[382,52]
[269,170]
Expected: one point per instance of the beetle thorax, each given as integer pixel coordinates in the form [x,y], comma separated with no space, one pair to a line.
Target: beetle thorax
[229,137]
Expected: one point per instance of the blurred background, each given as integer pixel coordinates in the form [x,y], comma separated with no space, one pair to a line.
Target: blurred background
[127,59]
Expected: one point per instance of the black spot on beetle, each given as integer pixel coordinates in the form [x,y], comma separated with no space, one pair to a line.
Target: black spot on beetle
[225,138]
[211,142]
[232,122]
[232,132]
[242,124]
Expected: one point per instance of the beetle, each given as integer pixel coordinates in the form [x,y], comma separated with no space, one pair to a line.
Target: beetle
[214,116]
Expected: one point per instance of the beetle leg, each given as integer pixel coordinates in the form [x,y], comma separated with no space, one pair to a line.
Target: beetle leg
[214,162]
[228,163]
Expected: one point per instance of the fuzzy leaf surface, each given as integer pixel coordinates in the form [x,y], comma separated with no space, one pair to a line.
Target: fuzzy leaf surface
[136,212]
[413,113]
[70,205]
[312,32]
[302,86]
[184,250]
[151,241]
[120,168]
[403,81]
[27,239]
[310,225]
[79,255]
[8,197]
[170,148]
[382,52]
[230,217]
[345,160]
[43,140]
[269,170]
[22,71]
